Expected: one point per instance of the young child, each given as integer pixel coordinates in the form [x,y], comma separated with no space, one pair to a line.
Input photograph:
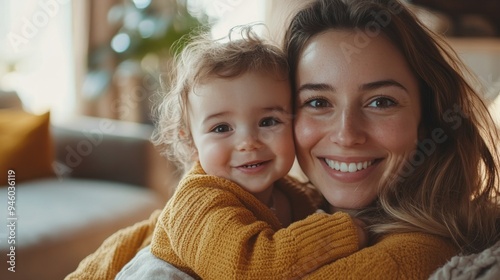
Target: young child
[228,117]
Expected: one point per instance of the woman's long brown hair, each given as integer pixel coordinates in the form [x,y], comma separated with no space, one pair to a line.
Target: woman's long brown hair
[451,189]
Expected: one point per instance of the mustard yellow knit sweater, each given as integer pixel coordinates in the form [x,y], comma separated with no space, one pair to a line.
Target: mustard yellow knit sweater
[116,251]
[213,229]
[395,256]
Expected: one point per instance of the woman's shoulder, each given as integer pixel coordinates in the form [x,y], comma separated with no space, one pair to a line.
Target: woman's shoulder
[403,245]
[411,254]
[411,239]
[394,256]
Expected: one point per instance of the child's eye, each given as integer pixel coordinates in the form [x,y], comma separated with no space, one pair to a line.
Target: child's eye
[317,103]
[221,128]
[270,122]
[382,102]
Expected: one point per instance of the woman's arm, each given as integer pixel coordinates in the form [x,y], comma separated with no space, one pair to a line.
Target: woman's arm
[219,230]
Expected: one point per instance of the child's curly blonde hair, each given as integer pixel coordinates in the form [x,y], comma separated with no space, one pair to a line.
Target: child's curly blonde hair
[201,59]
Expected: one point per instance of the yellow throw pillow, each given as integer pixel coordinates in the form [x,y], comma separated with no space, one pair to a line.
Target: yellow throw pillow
[25,145]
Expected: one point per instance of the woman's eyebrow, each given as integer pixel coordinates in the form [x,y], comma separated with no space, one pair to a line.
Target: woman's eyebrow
[382,83]
[365,87]
[315,87]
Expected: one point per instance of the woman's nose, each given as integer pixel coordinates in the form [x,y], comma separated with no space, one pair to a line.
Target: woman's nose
[348,129]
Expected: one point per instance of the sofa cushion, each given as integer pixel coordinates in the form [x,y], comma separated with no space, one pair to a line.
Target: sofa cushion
[60,222]
[50,209]
[26,145]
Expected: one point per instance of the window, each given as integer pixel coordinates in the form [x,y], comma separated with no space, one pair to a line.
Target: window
[228,13]
[36,57]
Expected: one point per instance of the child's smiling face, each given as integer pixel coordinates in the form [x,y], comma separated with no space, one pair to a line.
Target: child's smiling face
[242,128]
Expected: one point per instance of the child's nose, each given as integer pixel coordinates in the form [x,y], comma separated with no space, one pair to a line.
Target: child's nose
[249,142]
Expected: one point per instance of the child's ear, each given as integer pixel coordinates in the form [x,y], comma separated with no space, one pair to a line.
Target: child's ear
[182,134]
[195,156]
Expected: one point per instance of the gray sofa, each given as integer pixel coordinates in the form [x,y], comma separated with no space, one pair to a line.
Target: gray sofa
[105,181]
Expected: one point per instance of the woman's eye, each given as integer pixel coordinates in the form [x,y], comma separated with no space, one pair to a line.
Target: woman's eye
[382,102]
[270,122]
[317,103]
[221,128]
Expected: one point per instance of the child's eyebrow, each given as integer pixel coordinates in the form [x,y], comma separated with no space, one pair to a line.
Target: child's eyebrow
[213,116]
[279,109]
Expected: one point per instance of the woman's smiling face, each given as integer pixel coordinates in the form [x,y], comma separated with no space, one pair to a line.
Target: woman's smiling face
[357,107]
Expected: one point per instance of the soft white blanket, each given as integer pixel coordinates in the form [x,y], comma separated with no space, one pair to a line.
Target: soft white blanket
[147,266]
[481,266]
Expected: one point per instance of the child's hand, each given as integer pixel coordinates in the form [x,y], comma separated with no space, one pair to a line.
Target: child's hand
[362,233]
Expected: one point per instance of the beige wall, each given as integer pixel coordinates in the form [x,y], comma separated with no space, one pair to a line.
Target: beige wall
[278,15]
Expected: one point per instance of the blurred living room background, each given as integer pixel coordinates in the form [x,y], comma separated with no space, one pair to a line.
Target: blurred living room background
[78,79]
[100,58]
[104,58]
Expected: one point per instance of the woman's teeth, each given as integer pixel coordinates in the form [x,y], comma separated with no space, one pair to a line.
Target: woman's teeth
[348,166]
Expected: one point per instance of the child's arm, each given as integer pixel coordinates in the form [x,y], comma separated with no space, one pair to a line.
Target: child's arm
[213,230]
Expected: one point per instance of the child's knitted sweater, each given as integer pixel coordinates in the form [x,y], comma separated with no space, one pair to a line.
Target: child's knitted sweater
[395,256]
[213,229]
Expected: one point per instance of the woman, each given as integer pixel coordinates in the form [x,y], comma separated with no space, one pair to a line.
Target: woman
[373,85]
[387,129]
[343,52]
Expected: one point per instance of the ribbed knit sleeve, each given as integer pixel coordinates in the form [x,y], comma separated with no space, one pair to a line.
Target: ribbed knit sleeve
[116,251]
[220,231]
[411,255]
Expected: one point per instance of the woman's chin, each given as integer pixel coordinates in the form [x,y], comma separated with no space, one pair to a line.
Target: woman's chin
[348,204]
